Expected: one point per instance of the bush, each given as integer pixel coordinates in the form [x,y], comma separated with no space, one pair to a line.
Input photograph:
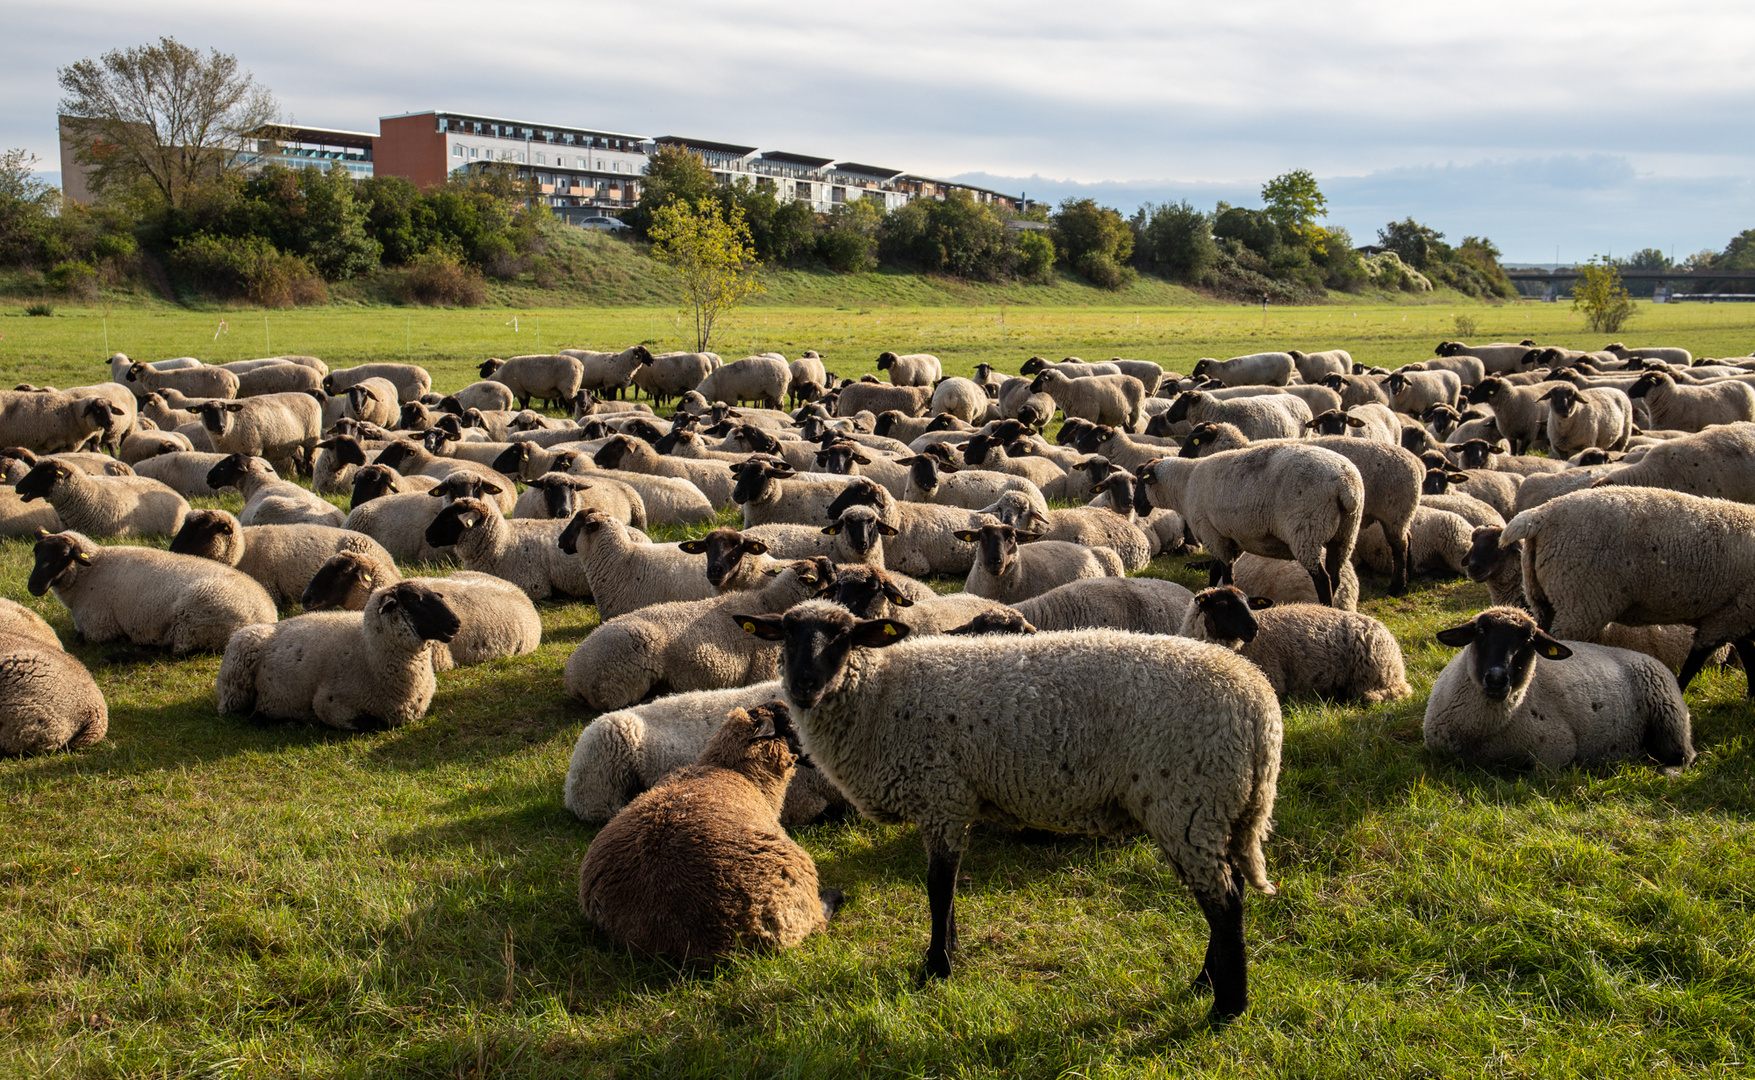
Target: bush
[1174,240]
[850,242]
[955,235]
[41,308]
[438,277]
[1101,270]
[74,277]
[1602,298]
[249,268]
[1084,230]
[1035,255]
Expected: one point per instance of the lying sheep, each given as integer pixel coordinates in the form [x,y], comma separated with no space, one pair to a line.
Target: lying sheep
[1279,500]
[17,619]
[48,700]
[269,500]
[687,645]
[1303,648]
[1583,704]
[104,505]
[1642,556]
[1138,604]
[1256,369]
[1438,544]
[1102,399]
[1285,582]
[148,442]
[699,867]
[52,421]
[1007,573]
[145,596]
[411,380]
[399,519]
[856,535]
[497,619]
[621,754]
[1356,390]
[932,480]
[372,401]
[341,668]
[526,553]
[184,472]
[281,558]
[1118,731]
[925,542]
[1496,491]
[1087,527]
[1577,419]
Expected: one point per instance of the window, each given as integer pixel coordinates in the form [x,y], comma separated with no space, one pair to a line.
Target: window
[457,150]
[473,152]
[520,157]
[542,159]
[600,163]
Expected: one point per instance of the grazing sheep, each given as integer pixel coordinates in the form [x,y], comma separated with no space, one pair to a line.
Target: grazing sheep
[145,596]
[278,378]
[341,668]
[1500,358]
[1639,557]
[104,505]
[269,500]
[621,754]
[1256,369]
[283,428]
[1274,416]
[759,379]
[670,375]
[281,558]
[48,422]
[526,553]
[1279,500]
[1118,731]
[1313,366]
[1102,399]
[878,398]
[1584,704]
[1356,390]
[411,380]
[1602,416]
[184,472]
[1438,544]
[1518,411]
[686,645]
[1007,573]
[700,867]
[1303,648]
[1469,369]
[1692,408]
[48,700]
[201,382]
[1413,392]
[486,395]
[551,378]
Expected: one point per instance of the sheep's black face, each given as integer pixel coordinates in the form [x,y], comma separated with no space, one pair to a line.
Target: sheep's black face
[1484,391]
[395,455]
[1412,440]
[56,558]
[1506,642]
[885,359]
[752,480]
[1038,383]
[341,584]
[611,454]
[371,482]
[1475,454]
[346,449]
[1330,422]
[453,521]
[1484,557]
[1033,366]
[861,528]
[1000,621]
[1562,399]
[423,609]
[414,416]
[41,480]
[726,550]
[859,588]
[1178,410]
[997,548]
[513,460]
[837,458]
[1435,483]
[755,440]
[201,534]
[558,497]
[945,422]
[975,451]
[487,368]
[644,430]
[584,523]
[1228,614]
[858,493]
[1644,385]
[923,470]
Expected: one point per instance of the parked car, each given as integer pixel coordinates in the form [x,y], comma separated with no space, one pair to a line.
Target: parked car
[603,224]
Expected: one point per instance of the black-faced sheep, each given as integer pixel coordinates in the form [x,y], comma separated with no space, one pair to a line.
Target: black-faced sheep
[1303,648]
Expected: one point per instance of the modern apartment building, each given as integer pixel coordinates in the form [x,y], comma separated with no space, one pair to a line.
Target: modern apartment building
[291,145]
[581,170]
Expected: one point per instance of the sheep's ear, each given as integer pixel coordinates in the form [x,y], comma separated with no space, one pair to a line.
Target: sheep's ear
[1026,537]
[693,547]
[41,532]
[832,530]
[1456,477]
[947,467]
[1550,647]
[968,536]
[1260,603]
[886,530]
[435,493]
[1079,466]
[1457,636]
[755,547]
[766,627]
[877,633]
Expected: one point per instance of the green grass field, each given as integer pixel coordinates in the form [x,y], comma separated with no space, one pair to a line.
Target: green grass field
[202,895]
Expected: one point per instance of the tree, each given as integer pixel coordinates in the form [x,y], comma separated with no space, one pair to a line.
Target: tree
[711,254]
[1739,254]
[1094,240]
[1416,244]
[27,208]
[1294,200]
[1174,240]
[1600,295]
[164,114]
[672,174]
[850,242]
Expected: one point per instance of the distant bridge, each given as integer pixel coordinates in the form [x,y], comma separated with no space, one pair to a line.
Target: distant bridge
[1674,277]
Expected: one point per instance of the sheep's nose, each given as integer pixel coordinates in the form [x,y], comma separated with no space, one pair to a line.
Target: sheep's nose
[1496,681]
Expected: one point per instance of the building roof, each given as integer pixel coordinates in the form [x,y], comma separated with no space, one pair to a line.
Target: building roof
[563,128]
[867,170]
[328,136]
[807,160]
[707,144]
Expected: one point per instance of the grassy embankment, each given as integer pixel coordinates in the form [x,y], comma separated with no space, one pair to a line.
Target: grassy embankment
[204,895]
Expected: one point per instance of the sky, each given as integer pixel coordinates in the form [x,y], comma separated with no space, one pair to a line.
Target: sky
[1561,129]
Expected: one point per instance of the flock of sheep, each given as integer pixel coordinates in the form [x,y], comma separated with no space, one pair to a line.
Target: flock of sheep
[755,678]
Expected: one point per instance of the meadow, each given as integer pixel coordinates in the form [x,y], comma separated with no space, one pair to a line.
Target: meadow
[204,895]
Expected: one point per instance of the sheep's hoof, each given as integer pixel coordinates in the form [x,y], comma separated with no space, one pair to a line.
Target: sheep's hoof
[1202,982]
[938,966]
[831,899]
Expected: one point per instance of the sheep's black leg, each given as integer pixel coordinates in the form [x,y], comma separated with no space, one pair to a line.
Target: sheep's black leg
[1325,594]
[1398,565]
[1696,660]
[941,894]
[1219,574]
[1746,653]
[1226,968]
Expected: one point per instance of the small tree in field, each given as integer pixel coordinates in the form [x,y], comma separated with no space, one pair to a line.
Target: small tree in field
[1601,296]
[711,254]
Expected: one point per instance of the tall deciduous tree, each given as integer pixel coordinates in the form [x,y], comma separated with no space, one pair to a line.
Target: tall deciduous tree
[711,254]
[1294,200]
[166,114]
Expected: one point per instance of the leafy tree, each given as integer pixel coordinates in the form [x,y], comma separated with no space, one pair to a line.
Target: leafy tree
[1253,229]
[1294,201]
[334,234]
[164,114]
[1035,255]
[784,234]
[1739,254]
[955,235]
[672,174]
[1600,295]
[712,256]
[1094,240]
[850,242]
[1416,244]
[27,208]
[396,217]
[1174,240]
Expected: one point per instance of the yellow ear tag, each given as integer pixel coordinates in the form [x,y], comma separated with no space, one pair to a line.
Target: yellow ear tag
[890,630]
[1550,652]
[749,627]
